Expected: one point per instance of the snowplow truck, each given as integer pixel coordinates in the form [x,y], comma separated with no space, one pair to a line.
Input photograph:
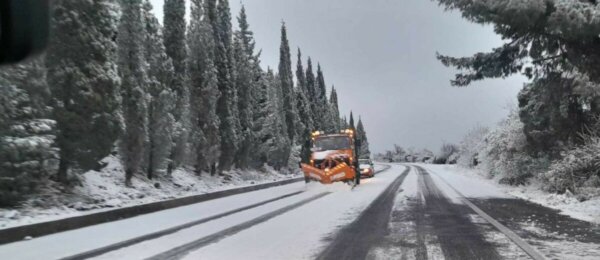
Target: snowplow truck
[333,158]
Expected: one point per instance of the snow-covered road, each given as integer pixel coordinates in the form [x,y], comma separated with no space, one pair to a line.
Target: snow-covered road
[406,212]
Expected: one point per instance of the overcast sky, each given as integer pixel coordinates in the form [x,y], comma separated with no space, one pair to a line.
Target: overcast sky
[380,55]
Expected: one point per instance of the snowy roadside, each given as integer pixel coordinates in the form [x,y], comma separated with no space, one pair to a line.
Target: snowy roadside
[105,190]
[569,205]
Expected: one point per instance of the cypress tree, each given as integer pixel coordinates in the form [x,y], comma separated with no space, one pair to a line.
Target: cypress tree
[161,98]
[132,69]
[83,75]
[287,84]
[311,94]
[175,46]
[364,152]
[335,111]
[220,18]
[322,109]
[246,73]
[351,122]
[305,123]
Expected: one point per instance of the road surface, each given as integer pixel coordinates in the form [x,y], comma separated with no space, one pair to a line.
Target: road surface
[406,212]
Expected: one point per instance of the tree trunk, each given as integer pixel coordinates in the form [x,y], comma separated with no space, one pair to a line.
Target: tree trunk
[213,169]
[128,176]
[63,169]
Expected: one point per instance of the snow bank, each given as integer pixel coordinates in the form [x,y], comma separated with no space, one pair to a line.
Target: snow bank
[105,190]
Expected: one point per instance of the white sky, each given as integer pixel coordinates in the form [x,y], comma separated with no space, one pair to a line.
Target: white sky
[380,55]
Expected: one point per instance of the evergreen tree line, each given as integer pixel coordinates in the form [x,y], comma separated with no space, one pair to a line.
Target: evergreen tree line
[114,80]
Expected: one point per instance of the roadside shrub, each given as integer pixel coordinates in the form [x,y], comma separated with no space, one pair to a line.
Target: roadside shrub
[505,156]
[578,171]
[447,154]
[473,142]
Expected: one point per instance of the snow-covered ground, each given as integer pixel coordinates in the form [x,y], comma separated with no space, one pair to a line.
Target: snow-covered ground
[105,190]
[569,205]
[296,234]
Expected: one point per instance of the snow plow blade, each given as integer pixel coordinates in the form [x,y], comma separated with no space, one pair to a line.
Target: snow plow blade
[341,172]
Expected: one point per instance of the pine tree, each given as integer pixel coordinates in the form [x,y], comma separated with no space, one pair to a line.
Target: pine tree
[175,46]
[351,122]
[361,134]
[334,109]
[161,98]
[542,37]
[287,84]
[84,80]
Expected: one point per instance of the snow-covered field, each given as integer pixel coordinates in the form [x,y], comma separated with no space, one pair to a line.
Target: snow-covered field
[105,190]
[569,205]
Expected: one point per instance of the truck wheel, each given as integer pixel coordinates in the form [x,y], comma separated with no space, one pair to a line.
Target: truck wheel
[357,179]
[306,179]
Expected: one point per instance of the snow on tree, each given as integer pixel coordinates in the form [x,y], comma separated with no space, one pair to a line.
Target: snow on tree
[83,76]
[322,109]
[287,84]
[361,134]
[132,70]
[272,134]
[30,76]
[246,73]
[227,111]
[543,36]
[204,90]
[174,39]
[305,122]
[311,83]
[27,152]
[334,109]
[471,146]
[161,101]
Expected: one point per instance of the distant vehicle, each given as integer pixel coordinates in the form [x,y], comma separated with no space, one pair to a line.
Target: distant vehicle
[333,158]
[367,169]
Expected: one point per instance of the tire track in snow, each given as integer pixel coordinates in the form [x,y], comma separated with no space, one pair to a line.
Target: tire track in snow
[527,248]
[154,235]
[355,240]
[459,238]
[181,251]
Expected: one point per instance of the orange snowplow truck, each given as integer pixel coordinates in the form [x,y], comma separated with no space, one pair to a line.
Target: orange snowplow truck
[333,158]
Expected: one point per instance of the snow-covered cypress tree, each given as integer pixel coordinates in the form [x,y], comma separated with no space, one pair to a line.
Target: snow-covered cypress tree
[361,134]
[246,72]
[344,123]
[277,145]
[287,84]
[161,103]
[83,76]
[305,122]
[334,109]
[132,69]
[204,90]
[311,84]
[351,121]
[322,104]
[175,46]
[226,104]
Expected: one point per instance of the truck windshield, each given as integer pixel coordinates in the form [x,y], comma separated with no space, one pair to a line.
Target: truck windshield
[332,143]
